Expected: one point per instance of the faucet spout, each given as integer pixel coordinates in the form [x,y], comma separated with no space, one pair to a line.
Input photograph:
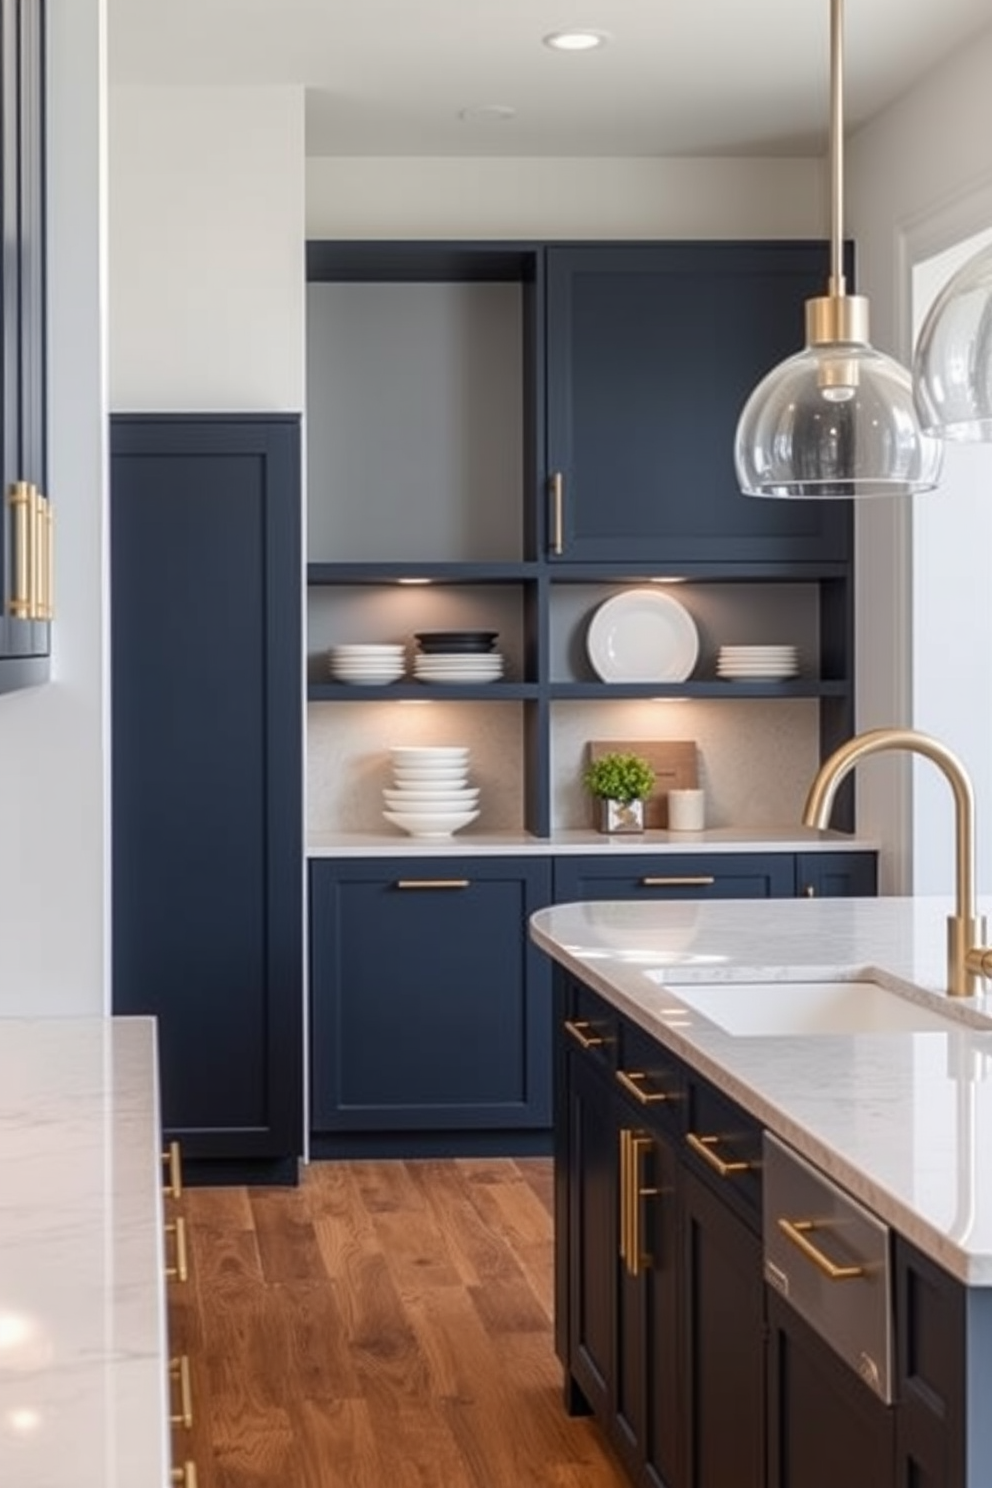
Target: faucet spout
[967,956]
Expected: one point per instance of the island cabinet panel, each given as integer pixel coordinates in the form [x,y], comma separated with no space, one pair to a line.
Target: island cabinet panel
[825,1426]
[837,875]
[431,1010]
[932,1376]
[207,773]
[652,350]
[671,876]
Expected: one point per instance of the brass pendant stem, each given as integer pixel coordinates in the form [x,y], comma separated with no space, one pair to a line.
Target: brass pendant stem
[837,285]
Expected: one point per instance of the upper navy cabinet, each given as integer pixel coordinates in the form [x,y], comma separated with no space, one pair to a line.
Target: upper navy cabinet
[26,600]
[652,350]
[207,773]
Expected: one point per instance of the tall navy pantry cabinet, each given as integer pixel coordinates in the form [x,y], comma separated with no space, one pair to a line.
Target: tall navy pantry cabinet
[207,775]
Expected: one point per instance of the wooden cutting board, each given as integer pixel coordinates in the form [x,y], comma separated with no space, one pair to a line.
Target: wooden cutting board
[675,766]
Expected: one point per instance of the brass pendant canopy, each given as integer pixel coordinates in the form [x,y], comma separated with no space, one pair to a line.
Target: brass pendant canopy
[839,418]
[952,368]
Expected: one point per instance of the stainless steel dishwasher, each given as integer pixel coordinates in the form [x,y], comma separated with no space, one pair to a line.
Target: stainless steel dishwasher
[829,1257]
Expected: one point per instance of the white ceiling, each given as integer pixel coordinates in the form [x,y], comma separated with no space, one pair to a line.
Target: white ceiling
[705,77]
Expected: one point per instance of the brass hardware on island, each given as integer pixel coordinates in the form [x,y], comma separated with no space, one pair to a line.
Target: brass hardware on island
[577,1028]
[185,1476]
[180,1271]
[172,1158]
[809,892]
[706,1148]
[798,1231]
[968,958]
[179,1370]
[31,571]
[630,1082]
[433,883]
[683,881]
[633,1146]
[556,486]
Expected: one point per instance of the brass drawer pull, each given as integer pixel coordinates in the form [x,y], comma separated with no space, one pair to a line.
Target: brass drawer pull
[433,883]
[633,1145]
[797,1231]
[20,499]
[179,1370]
[623,1190]
[686,881]
[705,1147]
[180,1271]
[578,1028]
[185,1476]
[629,1083]
[556,486]
[172,1158]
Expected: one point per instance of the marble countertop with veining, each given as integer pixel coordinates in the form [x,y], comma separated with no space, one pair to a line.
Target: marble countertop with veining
[83,1378]
[793,839]
[903,1120]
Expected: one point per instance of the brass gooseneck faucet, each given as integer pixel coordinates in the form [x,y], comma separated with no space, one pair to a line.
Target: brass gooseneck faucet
[968,957]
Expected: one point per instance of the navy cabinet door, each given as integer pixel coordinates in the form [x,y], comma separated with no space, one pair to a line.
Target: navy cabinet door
[593,1236]
[837,875]
[652,352]
[431,1006]
[687,876]
[207,776]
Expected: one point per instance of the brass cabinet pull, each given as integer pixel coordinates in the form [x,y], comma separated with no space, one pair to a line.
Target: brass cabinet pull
[629,1082]
[20,499]
[179,1370]
[810,891]
[180,1271]
[624,1188]
[556,486]
[577,1029]
[705,1147]
[433,883]
[686,881]
[797,1231]
[633,1145]
[48,560]
[172,1158]
[185,1476]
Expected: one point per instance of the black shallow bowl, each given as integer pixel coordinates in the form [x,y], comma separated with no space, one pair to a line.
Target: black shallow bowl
[432,641]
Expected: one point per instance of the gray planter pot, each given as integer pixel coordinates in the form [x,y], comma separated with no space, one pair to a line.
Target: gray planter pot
[621,816]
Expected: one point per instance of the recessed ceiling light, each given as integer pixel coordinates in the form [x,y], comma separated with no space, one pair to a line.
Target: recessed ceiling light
[576,41]
[487,113]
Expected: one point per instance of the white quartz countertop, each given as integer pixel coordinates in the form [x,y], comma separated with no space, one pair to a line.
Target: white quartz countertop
[494,844]
[903,1120]
[83,1382]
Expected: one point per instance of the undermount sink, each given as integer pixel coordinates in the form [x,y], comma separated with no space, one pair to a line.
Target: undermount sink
[779,1009]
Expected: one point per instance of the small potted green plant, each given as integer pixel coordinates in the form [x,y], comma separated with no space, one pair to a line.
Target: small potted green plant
[620,782]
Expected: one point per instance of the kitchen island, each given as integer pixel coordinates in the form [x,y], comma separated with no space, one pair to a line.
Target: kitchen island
[676,1324]
[83,1343]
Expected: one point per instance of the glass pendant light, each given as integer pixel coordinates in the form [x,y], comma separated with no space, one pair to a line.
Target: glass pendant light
[839,418]
[953,363]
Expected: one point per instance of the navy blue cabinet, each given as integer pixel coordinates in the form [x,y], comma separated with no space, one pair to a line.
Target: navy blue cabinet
[26,599]
[652,350]
[690,876]
[431,1008]
[207,773]
[837,875]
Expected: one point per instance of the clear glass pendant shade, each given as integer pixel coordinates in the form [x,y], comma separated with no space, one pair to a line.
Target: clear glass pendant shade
[836,420]
[953,364]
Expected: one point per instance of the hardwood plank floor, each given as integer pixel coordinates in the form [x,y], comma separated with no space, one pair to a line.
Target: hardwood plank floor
[385,1325]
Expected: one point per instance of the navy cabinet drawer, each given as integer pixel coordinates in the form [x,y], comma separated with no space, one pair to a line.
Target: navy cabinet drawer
[722,1143]
[670,877]
[590,1024]
[651,1077]
[431,1006]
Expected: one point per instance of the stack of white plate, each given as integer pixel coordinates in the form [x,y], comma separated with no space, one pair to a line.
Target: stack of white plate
[461,666]
[371,665]
[430,795]
[757,663]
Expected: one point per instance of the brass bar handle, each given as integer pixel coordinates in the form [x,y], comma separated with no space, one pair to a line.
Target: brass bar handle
[577,1028]
[179,1370]
[433,883]
[623,1192]
[629,1079]
[797,1231]
[810,891]
[185,1476]
[679,881]
[21,504]
[38,560]
[172,1158]
[180,1271]
[705,1146]
[637,1261]
[556,485]
[48,560]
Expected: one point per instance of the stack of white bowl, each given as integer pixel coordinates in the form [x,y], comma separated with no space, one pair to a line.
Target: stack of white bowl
[430,795]
[371,665]
[757,663]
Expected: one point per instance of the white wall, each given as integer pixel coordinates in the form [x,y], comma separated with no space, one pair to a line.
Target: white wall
[206,249]
[454,197]
[53,739]
[919,179]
